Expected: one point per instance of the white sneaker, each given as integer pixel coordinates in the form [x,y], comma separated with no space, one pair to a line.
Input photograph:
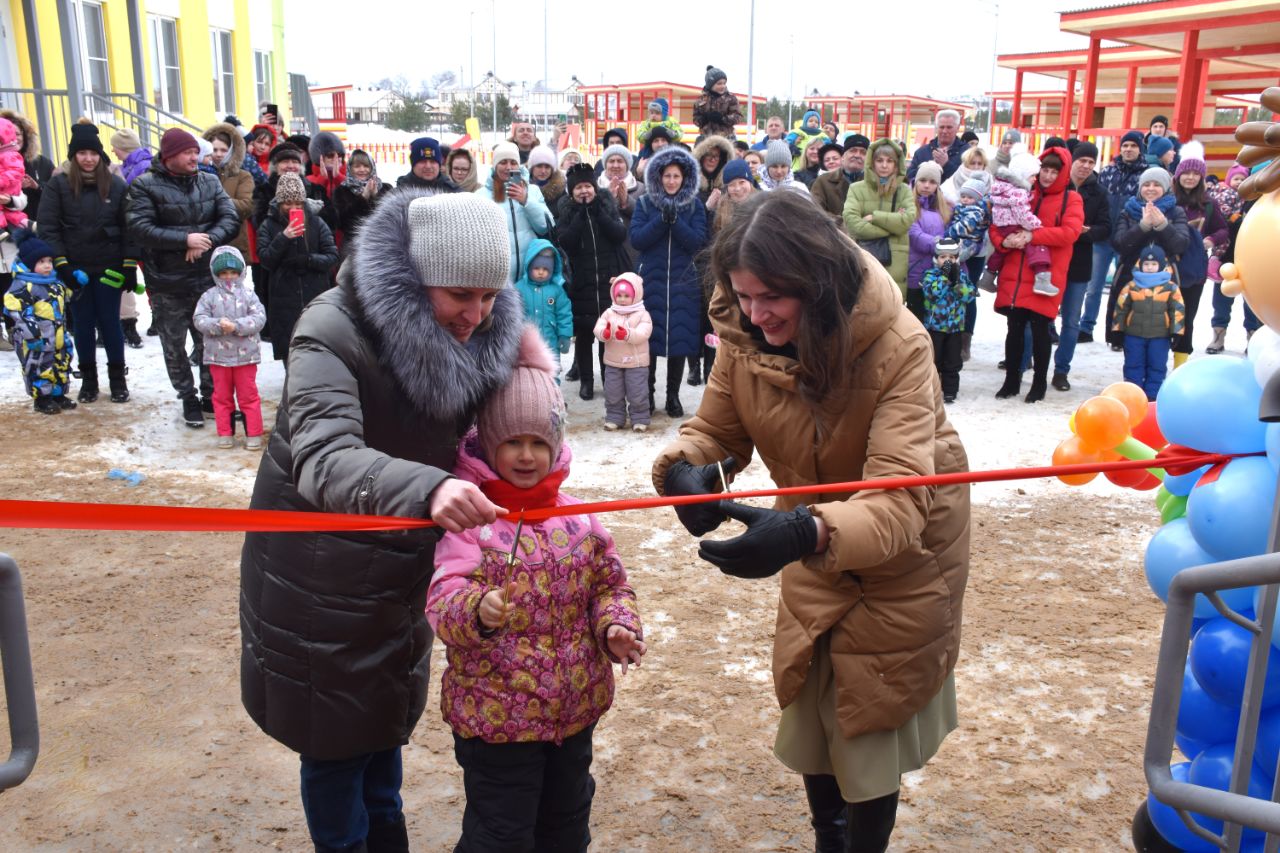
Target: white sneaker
[1043,285]
[253,442]
[640,427]
[610,426]
[226,442]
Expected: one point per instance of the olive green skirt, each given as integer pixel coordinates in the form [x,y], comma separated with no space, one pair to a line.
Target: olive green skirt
[867,766]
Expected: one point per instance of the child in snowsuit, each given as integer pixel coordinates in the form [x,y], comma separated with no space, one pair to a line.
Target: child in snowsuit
[546,305]
[970,220]
[947,293]
[230,317]
[1010,213]
[808,129]
[624,327]
[532,617]
[13,223]
[660,116]
[36,303]
[1149,311]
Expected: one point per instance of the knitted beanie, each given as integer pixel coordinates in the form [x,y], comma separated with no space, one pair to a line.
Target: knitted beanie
[628,280]
[175,141]
[946,246]
[529,404]
[620,150]
[735,170]
[1085,148]
[505,151]
[226,258]
[579,173]
[84,137]
[206,148]
[126,140]
[1134,136]
[541,155]
[459,240]
[1158,120]
[1192,160]
[929,171]
[1153,253]
[290,190]
[778,153]
[1160,175]
[424,148]
[1011,135]
[33,250]
[714,74]
[564,156]
[1159,146]
[969,136]
[1237,169]
[974,187]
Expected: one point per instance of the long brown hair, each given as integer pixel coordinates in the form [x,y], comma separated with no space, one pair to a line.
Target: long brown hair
[797,250]
[99,177]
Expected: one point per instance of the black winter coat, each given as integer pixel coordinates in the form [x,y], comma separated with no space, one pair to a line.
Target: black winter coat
[162,209]
[89,232]
[298,271]
[594,237]
[264,194]
[335,641]
[40,169]
[1097,215]
[351,208]
[1128,239]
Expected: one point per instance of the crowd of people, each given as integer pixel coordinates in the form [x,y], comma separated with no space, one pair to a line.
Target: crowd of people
[422,328]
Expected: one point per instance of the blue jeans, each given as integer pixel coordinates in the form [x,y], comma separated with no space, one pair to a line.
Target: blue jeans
[342,798]
[1103,254]
[1221,312]
[1071,323]
[1146,362]
[975,266]
[96,308]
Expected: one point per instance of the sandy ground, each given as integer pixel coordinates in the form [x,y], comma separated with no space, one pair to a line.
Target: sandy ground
[136,645]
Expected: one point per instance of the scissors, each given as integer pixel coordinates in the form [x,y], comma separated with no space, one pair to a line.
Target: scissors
[723,480]
[515,547]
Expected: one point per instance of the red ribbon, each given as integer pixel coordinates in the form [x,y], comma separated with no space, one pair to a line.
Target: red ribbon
[58,515]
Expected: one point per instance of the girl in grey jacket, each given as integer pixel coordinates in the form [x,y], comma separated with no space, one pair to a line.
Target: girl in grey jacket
[230,317]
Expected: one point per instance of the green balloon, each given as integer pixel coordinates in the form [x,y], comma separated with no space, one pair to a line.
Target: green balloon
[1175,507]
[1162,497]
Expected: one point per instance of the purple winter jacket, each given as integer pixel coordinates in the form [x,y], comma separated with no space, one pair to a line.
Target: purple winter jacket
[922,236]
[135,164]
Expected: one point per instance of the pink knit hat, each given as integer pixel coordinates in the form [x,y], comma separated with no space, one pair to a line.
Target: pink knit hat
[1237,169]
[529,404]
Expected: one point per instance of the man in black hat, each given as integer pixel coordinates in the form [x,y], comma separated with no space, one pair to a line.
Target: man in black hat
[426,158]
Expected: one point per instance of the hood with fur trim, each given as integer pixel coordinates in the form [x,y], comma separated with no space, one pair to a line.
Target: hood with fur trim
[236,157]
[724,146]
[438,375]
[30,139]
[672,155]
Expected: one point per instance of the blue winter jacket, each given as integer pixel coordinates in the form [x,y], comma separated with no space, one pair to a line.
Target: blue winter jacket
[546,305]
[969,223]
[525,222]
[672,289]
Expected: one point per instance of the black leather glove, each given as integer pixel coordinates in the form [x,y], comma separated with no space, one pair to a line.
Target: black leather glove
[773,539]
[685,479]
[669,214]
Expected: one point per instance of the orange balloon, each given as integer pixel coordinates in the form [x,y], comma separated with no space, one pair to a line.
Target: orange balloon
[1133,397]
[1103,422]
[1072,452]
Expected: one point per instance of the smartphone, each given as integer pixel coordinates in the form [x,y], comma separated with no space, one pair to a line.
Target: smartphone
[296,219]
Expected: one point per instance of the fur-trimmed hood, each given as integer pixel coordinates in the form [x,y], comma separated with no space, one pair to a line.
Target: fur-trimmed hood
[726,154]
[236,158]
[438,375]
[672,155]
[30,139]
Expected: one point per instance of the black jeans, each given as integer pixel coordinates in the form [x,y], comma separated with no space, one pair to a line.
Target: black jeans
[171,315]
[841,827]
[1019,320]
[1190,305]
[523,797]
[946,358]
[583,339]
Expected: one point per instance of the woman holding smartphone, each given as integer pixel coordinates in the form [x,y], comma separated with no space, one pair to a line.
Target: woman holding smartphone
[523,208]
[297,249]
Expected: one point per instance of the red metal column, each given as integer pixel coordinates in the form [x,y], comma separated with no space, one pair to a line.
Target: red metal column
[1202,89]
[1015,119]
[1187,79]
[1129,91]
[1090,86]
[1068,105]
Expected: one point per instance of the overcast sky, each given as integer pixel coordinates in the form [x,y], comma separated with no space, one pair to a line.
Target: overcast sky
[922,47]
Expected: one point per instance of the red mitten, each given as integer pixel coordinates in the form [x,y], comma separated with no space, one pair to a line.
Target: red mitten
[608,331]
[622,333]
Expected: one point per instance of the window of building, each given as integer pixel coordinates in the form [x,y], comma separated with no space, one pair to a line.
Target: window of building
[93,37]
[166,77]
[262,75]
[224,79]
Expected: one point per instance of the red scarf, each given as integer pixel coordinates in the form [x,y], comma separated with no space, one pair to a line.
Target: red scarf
[541,494]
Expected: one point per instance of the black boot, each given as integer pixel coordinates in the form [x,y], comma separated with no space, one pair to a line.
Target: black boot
[571,375]
[388,838]
[587,387]
[47,406]
[115,378]
[88,383]
[191,414]
[675,367]
[695,373]
[1038,385]
[871,824]
[131,333]
[64,402]
[827,811]
[1012,385]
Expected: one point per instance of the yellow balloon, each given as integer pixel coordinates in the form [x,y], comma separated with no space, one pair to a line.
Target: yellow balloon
[1257,260]
[1071,423]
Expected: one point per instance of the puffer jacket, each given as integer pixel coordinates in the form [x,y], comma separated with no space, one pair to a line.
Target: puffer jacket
[546,305]
[525,222]
[162,209]
[922,235]
[1149,306]
[236,182]
[299,270]
[890,586]
[716,115]
[238,304]
[666,253]
[135,164]
[594,237]
[335,646]
[633,350]
[713,181]
[1061,216]
[90,232]
[1129,238]
[892,213]
[553,676]
[969,223]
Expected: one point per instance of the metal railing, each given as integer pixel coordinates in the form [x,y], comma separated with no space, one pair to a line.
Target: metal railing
[54,115]
[19,686]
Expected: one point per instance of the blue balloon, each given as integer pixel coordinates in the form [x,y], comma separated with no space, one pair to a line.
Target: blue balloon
[1220,660]
[1174,548]
[1188,747]
[1182,484]
[1231,517]
[1168,824]
[1211,404]
[1273,446]
[1201,718]
[1212,769]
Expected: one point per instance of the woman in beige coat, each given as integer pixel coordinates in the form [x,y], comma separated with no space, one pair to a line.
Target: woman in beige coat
[868,627]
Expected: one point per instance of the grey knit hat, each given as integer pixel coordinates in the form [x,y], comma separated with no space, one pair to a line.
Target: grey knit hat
[459,240]
[1160,175]
[290,190]
[1011,135]
[778,153]
[974,187]
[616,149]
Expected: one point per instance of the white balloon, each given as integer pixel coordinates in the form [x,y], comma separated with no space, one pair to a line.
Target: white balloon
[1264,352]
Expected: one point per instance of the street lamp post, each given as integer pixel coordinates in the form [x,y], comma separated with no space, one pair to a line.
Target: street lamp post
[751,64]
[494,73]
[991,105]
[473,63]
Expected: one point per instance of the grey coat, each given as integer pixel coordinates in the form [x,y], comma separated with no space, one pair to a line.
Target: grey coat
[238,304]
[335,642]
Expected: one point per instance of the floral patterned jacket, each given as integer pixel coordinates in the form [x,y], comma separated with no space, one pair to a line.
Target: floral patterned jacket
[546,675]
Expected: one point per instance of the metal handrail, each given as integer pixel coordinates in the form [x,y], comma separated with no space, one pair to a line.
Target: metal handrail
[19,685]
[159,111]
